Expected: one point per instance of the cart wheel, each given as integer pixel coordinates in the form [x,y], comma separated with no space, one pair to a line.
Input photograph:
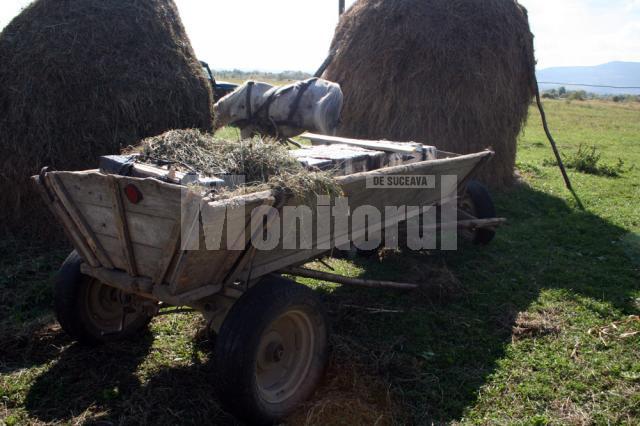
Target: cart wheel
[92,312]
[271,350]
[477,201]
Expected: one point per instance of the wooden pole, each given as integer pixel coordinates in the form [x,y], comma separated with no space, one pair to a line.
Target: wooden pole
[554,147]
[340,7]
[325,276]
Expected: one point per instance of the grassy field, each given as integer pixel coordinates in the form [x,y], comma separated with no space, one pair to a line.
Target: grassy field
[539,328]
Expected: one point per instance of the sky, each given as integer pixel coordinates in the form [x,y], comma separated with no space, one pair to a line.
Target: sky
[283,35]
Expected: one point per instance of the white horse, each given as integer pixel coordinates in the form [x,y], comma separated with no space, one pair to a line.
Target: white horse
[283,112]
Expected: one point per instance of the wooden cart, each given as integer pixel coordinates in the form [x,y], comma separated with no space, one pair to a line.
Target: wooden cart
[142,243]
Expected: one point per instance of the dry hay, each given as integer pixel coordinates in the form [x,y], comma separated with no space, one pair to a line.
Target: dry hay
[457,74]
[264,163]
[83,78]
[536,323]
[257,159]
[350,393]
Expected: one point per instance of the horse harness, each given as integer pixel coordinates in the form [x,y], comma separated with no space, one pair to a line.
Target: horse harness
[261,117]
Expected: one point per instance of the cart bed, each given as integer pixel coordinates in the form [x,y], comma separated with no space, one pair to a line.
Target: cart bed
[142,237]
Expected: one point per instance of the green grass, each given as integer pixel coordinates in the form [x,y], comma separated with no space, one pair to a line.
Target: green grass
[537,328]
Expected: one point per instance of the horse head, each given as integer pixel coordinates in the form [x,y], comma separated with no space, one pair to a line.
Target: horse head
[240,104]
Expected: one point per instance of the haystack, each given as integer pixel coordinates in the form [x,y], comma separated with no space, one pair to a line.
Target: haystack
[458,74]
[83,78]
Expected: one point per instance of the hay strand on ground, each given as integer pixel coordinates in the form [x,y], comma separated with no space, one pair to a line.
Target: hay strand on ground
[83,78]
[457,74]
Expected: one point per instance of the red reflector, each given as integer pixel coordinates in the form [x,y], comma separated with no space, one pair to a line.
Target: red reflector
[133,194]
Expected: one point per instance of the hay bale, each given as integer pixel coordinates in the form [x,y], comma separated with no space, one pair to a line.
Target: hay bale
[457,74]
[83,78]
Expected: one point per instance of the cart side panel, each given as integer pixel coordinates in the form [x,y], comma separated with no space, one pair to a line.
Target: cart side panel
[355,188]
[212,264]
[149,222]
[159,199]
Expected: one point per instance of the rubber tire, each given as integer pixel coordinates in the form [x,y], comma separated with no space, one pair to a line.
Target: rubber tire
[484,209]
[68,289]
[239,338]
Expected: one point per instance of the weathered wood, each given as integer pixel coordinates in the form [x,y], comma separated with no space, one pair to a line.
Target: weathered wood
[388,146]
[120,219]
[325,276]
[169,254]
[67,223]
[247,257]
[152,231]
[120,280]
[148,171]
[269,262]
[211,264]
[461,164]
[78,219]
[160,199]
[146,257]
[189,231]
[187,298]
[150,222]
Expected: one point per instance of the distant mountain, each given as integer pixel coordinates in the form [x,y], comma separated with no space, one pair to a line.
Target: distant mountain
[625,74]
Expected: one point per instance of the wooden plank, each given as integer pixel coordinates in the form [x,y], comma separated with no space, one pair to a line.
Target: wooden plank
[148,171]
[120,280]
[147,230]
[249,253]
[147,258]
[424,167]
[191,298]
[276,260]
[210,265]
[189,229]
[197,294]
[160,199]
[387,146]
[144,286]
[169,253]
[68,225]
[150,221]
[79,220]
[122,227]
